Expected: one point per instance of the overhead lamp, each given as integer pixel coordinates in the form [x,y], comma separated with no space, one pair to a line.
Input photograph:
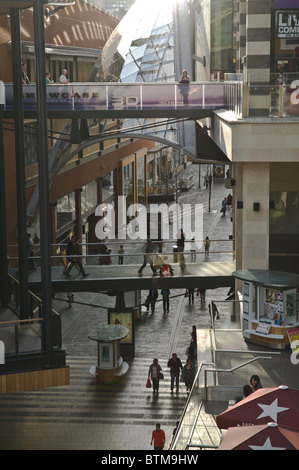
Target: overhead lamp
[49,13]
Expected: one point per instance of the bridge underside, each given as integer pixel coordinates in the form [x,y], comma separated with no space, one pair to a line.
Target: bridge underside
[116,278]
[179,113]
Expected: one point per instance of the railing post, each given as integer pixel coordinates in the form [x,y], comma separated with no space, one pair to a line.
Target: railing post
[280,100]
[245,101]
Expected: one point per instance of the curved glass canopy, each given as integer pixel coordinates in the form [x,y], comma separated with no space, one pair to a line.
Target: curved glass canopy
[142,49]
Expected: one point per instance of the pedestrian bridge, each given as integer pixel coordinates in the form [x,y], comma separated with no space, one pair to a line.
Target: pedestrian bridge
[209,275]
[119,100]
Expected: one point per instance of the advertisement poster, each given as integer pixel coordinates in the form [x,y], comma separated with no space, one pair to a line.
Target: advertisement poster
[125,319]
[294,339]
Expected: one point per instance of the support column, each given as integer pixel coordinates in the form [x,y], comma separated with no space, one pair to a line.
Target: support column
[20,163]
[258,51]
[256,185]
[43,166]
[4,289]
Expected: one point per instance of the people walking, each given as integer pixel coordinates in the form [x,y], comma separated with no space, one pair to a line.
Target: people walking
[151,300]
[223,206]
[75,259]
[175,366]
[184,86]
[158,438]
[181,246]
[207,244]
[154,374]
[191,295]
[188,374]
[30,253]
[193,249]
[148,258]
[165,296]
[121,254]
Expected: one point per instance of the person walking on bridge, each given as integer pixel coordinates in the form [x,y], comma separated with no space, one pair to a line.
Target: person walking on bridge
[148,258]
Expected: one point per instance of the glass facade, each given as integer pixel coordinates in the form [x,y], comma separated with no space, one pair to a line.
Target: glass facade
[141,50]
[223,37]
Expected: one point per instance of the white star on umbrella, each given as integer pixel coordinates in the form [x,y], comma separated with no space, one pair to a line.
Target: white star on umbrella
[271,410]
[267,446]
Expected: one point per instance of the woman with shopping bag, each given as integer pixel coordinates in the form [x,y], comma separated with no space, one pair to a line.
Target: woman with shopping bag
[155,374]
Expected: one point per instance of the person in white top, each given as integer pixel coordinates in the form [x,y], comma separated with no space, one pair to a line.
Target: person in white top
[63,77]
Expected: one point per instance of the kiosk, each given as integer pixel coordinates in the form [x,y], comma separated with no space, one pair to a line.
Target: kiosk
[270,306]
[110,366]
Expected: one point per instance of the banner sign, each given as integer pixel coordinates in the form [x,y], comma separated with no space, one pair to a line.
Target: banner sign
[287,24]
[118,96]
[294,339]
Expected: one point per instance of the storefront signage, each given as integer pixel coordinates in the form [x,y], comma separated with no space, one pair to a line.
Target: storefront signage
[287,24]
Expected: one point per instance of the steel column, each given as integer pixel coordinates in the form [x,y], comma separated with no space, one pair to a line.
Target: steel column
[43,166]
[20,163]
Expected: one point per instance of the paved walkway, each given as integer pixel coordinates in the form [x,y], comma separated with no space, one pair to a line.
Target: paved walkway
[90,416]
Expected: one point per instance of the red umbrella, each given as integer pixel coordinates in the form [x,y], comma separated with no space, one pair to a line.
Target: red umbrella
[278,404]
[262,437]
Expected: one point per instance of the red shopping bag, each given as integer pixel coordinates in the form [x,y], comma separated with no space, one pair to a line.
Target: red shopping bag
[148,383]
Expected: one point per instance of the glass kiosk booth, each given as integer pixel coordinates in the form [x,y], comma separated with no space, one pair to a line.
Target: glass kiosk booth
[269,307]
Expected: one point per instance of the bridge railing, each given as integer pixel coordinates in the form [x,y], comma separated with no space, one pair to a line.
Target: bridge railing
[134,252]
[127,96]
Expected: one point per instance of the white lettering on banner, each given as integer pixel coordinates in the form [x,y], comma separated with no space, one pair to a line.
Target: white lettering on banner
[287,24]
[294,96]
[2,353]
[118,102]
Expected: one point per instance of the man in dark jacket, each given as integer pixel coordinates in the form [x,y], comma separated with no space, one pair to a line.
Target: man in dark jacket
[175,366]
[75,259]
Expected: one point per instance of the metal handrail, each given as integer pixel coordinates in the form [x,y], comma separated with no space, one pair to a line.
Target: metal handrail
[230,370]
[187,403]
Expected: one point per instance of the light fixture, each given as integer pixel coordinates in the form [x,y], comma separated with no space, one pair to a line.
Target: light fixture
[49,13]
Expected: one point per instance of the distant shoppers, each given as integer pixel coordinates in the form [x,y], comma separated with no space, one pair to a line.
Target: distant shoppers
[191,295]
[25,79]
[188,374]
[184,86]
[148,258]
[207,244]
[48,79]
[154,374]
[202,293]
[70,298]
[158,438]
[181,247]
[30,253]
[193,249]
[63,77]
[151,300]
[229,200]
[76,259]
[223,206]
[175,366]
[165,296]
[166,268]
[121,254]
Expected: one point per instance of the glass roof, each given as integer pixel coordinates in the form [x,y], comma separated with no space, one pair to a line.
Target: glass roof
[138,46]
[141,50]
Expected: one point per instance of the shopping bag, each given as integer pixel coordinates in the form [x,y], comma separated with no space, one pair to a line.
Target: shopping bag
[148,383]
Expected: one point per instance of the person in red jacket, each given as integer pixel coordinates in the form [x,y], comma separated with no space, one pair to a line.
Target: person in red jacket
[158,436]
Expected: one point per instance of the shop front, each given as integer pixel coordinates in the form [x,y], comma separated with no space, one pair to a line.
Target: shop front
[269,306]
